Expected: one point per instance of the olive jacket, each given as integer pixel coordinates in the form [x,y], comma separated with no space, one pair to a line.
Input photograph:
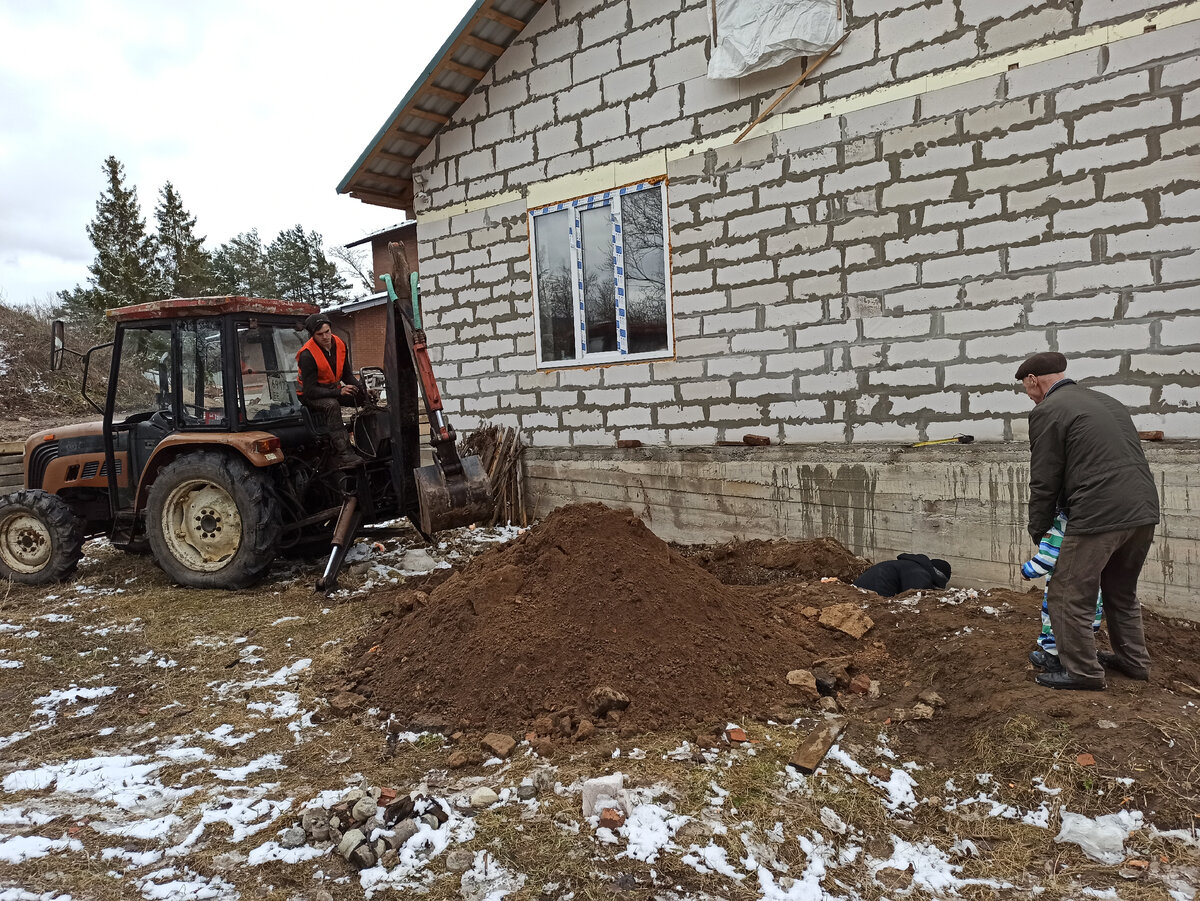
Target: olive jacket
[1085,457]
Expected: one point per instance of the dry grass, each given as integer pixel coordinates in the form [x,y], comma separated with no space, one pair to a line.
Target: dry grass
[206,634]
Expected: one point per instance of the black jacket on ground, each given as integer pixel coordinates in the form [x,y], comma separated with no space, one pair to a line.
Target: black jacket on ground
[906,572]
[1085,457]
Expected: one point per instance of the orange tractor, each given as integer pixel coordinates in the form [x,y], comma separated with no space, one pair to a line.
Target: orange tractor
[205,457]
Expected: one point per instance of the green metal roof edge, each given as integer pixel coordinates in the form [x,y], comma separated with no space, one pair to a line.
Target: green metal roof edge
[412,91]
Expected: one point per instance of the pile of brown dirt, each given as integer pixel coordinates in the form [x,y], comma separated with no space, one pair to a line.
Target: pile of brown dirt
[589,598]
[762,562]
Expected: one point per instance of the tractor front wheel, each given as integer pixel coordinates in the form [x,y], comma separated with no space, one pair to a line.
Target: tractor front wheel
[41,538]
[212,521]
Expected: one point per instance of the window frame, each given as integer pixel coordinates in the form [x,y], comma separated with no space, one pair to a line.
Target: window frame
[576,207]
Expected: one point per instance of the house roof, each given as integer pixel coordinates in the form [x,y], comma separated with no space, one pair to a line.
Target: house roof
[367,239]
[382,175]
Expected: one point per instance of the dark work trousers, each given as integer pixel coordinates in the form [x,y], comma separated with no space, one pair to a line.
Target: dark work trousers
[327,417]
[1110,562]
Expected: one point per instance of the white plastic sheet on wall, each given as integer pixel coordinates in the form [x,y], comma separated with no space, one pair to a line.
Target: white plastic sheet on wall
[753,35]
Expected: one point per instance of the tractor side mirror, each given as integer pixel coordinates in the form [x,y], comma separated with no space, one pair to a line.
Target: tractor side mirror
[57,344]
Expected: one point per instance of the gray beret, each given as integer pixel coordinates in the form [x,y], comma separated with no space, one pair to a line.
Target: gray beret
[1046,363]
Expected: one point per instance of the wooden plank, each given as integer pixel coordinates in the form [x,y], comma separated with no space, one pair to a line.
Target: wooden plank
[394,157]
[810,752]
[11,468]
[473,74]
[12,447]
[412,137]
[445,94]
[374,197]
[428,116]
[480,44]
[496,16]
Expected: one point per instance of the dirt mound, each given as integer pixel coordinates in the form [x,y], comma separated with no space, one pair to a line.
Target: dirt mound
[589,598]
[761,562]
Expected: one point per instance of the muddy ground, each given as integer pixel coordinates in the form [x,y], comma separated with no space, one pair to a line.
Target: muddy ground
[158,742]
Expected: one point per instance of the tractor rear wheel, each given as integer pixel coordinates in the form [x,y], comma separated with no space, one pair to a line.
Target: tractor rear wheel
[212,521]
[41,538]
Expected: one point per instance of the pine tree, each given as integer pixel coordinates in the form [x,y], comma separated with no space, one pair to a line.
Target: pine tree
[302,271]
[123,271]
[184,266]
[240,267]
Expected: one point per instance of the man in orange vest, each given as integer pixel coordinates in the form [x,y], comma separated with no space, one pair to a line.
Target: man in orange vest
[327,383]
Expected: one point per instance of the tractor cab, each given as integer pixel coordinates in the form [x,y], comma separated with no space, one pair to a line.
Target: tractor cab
[206,367]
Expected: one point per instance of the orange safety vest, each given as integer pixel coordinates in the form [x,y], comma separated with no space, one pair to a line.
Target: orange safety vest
[325,375]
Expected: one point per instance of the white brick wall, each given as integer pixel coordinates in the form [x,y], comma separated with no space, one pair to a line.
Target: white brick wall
[1054,205]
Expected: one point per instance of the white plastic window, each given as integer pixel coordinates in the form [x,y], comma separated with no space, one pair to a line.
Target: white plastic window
[600,284]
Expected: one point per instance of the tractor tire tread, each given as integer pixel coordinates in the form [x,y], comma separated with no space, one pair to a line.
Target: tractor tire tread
[66,530]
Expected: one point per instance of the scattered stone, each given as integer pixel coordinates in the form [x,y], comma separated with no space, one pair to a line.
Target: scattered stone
[498,744]
[459,759]
[372,824]
[526,792]
[350,841]
[810,612]
[404,830]
[380,847]
[335,822]
[418,560]
[543,725]
[931,697]
[805,683]
[315,822]
[846,618]
[292,838]
[602,699]
[389,859]
[432,821]
[611,818]
[874,690]
[921,711]
[322,895]
[362,857]
[826,683]
[584,730]
[1107,724]
[599,789]
[543,747]
[543,779]
[736,734]
[483,797]
[344,703]
[829,704]
[860,684]
[351,796]
[460,860]
[228,860]
[364,809]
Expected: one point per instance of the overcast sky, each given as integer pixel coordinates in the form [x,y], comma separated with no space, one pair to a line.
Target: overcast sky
[253,109]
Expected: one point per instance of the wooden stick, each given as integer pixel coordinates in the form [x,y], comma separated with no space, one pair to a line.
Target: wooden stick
[839,10]
[795,84]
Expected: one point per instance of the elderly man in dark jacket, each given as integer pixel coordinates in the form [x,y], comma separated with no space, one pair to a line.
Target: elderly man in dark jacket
[1086,458]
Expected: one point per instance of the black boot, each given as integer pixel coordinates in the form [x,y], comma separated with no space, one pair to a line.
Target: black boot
[1045,661]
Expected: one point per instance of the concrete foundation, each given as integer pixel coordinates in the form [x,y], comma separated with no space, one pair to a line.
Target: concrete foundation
[964,503]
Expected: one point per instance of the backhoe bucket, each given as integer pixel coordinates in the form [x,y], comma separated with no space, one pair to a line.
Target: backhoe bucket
[448,502]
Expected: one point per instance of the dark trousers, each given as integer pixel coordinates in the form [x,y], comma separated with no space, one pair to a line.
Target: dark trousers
[1110,562]
[327,417]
